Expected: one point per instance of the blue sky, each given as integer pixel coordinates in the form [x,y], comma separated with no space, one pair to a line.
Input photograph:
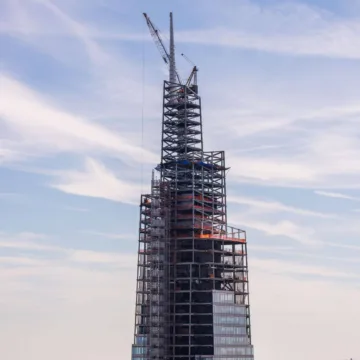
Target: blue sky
[280,93]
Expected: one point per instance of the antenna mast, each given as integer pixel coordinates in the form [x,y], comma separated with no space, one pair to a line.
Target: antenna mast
[172,67]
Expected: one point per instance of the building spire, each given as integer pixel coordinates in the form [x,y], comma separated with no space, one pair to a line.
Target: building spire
[172,67]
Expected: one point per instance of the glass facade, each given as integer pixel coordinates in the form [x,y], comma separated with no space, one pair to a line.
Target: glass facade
[139,353]
[139,349]
[231,322]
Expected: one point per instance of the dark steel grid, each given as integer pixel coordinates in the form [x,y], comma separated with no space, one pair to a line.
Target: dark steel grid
[203,253]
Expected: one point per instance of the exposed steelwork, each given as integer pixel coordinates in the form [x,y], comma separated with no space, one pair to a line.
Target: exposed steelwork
[192,299]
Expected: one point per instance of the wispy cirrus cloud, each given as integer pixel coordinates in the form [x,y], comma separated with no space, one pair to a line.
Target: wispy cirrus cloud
[96,181]
[289,251]
[106,235]
[285,28]
[45,129]
[112,83]
[314,163]
[310,169]
[310,235]
[280,266]
[318,43]
[26,241]
[336,195]
[344,246]
[274,206]
[30,242]
[285,228]
[117,259]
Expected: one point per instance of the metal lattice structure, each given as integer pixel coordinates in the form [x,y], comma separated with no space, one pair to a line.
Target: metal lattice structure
[192,298]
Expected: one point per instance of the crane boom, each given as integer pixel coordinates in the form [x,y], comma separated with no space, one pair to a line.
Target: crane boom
[193,74]
[169,59]
[157,39]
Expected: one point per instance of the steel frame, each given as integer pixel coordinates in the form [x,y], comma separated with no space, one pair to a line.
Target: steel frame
[187,252]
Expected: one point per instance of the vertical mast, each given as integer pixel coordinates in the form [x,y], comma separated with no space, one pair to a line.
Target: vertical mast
[172,67]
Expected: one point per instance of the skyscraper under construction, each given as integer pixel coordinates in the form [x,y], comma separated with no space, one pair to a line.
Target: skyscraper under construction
[192,294]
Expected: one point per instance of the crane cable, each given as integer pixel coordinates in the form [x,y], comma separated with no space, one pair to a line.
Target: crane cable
[142,110]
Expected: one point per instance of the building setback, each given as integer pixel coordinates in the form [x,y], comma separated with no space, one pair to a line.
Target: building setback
[192,294]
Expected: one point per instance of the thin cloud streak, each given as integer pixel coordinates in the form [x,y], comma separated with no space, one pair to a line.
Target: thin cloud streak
[328,36]
[273,206]
[337,195]
[82,256]
[288,267]
[109,235]
[286,228]
[283,250]
[96,181]
[55,130]
[304,31]
[312,45]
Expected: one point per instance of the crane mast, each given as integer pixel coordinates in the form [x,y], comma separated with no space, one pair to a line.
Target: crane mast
[172,67]
[169,58]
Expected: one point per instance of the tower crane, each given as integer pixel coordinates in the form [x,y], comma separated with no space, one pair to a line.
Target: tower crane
[193,74]
[169,59]
[169,56]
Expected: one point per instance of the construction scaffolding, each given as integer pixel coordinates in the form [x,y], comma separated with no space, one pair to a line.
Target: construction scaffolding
[192,297]
[151,316]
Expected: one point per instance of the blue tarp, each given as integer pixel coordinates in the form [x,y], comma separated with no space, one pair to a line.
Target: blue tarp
[189,163]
